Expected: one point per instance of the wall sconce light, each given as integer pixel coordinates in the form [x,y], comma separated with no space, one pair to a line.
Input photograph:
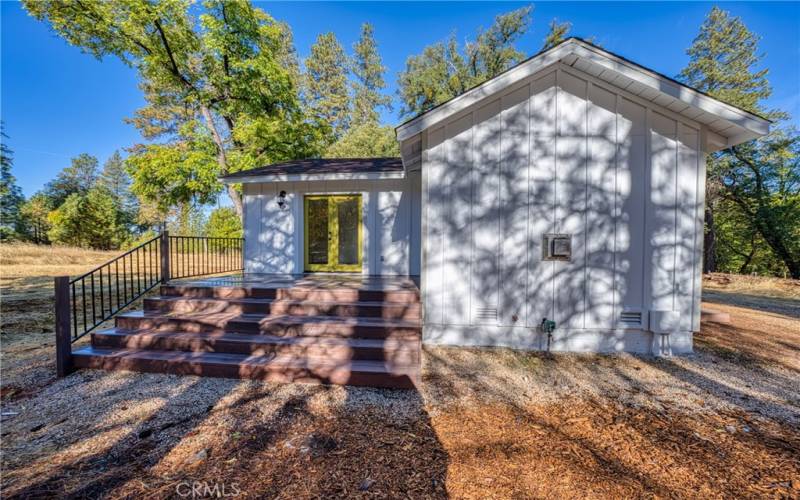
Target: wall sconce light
[282,200]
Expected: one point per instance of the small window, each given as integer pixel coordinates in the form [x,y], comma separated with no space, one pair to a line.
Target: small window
[557,247]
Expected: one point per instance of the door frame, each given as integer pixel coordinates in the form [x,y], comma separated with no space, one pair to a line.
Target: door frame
[333,228]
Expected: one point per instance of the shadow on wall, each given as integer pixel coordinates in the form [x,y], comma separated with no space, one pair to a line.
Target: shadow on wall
[517,168]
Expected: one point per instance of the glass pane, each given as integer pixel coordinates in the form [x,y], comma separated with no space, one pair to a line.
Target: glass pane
[318,231]
[347,211]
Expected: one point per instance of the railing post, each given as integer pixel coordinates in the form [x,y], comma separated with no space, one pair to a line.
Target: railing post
[63,327]
[165,274]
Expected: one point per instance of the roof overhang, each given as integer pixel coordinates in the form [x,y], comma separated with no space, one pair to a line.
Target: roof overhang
[321,169]
[726,125]
[372,176]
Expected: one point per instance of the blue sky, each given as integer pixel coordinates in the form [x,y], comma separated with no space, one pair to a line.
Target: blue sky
[57,102]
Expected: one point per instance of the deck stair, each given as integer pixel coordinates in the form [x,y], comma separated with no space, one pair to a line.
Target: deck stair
[350,331]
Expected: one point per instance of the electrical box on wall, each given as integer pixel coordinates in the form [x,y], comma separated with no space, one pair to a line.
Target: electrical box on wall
[557,246]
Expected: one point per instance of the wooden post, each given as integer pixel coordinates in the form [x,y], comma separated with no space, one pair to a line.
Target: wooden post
[63,327]
[165,273]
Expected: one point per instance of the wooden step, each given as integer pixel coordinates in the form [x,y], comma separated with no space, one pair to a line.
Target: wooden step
[310,293]
[398,351]
[281,326]
[283,307]
[272,368]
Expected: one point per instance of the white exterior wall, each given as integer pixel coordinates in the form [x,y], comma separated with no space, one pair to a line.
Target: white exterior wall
[391,239]
[562,152]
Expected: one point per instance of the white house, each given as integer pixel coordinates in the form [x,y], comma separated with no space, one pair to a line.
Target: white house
[569,188]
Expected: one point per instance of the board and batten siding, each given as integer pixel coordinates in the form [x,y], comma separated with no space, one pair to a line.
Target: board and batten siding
[561,152]
[390,214]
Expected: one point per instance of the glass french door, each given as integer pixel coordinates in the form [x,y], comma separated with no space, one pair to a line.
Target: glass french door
[333,233]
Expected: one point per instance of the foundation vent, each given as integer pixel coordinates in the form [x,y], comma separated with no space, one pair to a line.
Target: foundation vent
[486,313]
[631,318]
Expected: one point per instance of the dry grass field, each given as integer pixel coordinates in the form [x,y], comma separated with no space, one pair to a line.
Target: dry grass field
[485,423]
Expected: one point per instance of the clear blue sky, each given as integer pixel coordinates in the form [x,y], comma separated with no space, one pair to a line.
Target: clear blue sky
[57,102]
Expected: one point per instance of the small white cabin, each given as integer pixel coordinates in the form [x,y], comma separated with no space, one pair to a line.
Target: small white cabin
[569,188]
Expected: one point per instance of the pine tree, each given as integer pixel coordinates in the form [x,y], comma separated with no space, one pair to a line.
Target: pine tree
[722,61]
[114,177]
[11,198]
[326,88]
[557,34]
[368,71]
[78,178]
[758,178]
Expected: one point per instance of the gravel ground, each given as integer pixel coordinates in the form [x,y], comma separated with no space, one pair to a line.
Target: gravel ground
[484,423]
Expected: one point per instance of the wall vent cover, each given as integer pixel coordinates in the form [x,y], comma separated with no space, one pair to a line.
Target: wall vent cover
[631,318]
[486,313]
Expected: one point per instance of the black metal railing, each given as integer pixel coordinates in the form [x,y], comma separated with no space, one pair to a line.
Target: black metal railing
[200,256]
[86,302]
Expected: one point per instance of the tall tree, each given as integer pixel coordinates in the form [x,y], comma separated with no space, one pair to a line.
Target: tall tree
[220,88]
[368,70]
[11,198]
[115,178]
[445,70]
[557,34]
[35,220]
[326,88]
[723,62]
[78,178]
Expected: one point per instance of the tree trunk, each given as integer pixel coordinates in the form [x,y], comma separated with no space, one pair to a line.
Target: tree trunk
[222,160]
[236,198]
[709,243]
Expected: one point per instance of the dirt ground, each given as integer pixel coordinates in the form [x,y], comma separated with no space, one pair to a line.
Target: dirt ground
[485,423]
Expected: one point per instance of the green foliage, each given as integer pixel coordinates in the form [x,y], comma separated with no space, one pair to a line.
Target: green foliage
[114,177]
[366,141]
[34,213]
[557,34]
[761,179]
[326,88]
[88,220]
[78,178]
[722,60]
[227,78]
[368,70]
[11,199]
[444,70]
[224,223]
[752,215]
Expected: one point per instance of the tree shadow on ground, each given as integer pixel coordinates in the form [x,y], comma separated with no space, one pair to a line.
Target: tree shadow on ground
[263,440]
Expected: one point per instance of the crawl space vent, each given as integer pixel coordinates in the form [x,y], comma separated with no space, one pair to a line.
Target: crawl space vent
[486,313]
[631,318]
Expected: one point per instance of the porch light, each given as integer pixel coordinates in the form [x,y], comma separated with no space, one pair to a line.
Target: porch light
[282,200]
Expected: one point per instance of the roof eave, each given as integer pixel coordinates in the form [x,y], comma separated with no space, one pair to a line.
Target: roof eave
[753,124]
[332,176]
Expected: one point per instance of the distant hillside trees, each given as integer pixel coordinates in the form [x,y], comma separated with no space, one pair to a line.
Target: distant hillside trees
[11,199]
